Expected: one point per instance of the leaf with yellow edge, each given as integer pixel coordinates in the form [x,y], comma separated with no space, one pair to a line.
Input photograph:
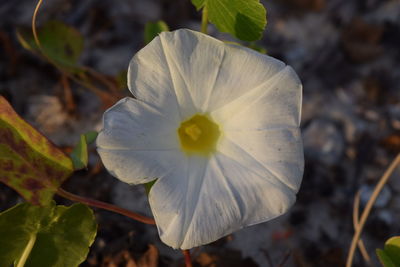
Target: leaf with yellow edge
[29,162]
[390,255]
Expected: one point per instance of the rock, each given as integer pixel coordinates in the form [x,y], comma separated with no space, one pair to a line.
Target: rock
[386,216]
[383,198]
[46,112]
[361,40]
[394,113]
[323,141]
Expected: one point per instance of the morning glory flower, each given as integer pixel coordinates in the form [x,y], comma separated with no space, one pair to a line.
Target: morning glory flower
[217,125]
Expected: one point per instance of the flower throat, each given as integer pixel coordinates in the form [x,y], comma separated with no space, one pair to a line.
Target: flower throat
[199,135]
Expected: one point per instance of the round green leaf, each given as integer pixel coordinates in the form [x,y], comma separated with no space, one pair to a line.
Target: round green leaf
[392,249]
[245,19]
[47,236]
[61,43]
[384,258]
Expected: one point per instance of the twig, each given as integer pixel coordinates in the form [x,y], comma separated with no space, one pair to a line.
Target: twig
[285,259]
[105,97]
[35,35]
[67,94]
[356,216]
[105,206]
[10,51]
[368,207]
[103,79]
[188,260]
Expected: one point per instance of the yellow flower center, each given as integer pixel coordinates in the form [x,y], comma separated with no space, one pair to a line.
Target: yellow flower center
[199,135]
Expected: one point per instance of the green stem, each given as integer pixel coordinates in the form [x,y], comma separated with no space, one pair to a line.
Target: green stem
[204,20]
[27,251]
[105,206]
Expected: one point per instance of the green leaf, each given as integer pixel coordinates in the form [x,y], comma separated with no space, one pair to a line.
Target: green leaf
[122,79]
[245,19]
[148,186]
[29,162]
[91,136]
[252,45]
[60,43]
[152,29]
[392,249]
[47,236]
[257,48]
[79,154]
[198,3]
[384,258]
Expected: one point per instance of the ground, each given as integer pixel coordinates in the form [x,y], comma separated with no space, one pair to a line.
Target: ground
[347,56]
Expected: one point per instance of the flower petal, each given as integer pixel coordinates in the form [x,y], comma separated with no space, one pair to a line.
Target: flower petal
[274,104]
[241,71]
[276,154]
[134,125]
[173,199]
[192,72]
[182,70]
[138,167]
[137,143]
[149,79]
[217,199]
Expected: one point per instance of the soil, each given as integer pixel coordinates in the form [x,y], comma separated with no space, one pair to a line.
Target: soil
[347,56]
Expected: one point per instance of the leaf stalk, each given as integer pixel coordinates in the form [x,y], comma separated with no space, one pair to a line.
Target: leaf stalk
[188,260]
[27,251]
[102,205]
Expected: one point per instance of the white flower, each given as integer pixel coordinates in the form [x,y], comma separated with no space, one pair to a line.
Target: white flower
[217,125]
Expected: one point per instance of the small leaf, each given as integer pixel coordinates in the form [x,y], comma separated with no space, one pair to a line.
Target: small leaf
[79,154]
[245,19]
[148,186]
[152,29]
[47,236]
[122,79]
[198,3]
[29,162]
[384,258]
[61,43]
[91,136]
[392,249]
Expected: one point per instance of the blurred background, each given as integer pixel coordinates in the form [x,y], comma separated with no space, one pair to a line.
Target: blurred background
[348,58]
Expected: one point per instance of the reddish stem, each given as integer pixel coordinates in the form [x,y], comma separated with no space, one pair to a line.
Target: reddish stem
[105,206]
[188,260]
